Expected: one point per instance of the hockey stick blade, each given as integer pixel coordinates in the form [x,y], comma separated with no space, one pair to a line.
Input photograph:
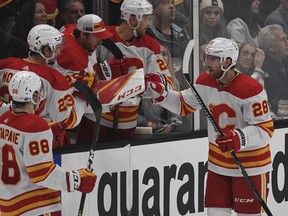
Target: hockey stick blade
[187,55]
[96,106]
[113,48]
[233,155]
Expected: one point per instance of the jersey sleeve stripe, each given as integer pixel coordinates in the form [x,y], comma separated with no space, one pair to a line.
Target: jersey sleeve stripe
[29,201]
[40,172]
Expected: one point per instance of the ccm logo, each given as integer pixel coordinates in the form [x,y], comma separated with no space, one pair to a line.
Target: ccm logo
[129,92]
[239,200]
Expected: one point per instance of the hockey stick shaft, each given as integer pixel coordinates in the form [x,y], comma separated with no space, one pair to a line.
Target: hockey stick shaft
[185,67]
[96,106]
[233,155]
[114,49]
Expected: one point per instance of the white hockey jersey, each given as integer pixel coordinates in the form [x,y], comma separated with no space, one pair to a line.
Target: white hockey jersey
[240,104]
[29,180]
[140,57]
[58,103]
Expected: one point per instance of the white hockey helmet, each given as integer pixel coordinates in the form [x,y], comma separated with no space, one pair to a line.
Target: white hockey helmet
[43,35]
[135,7]
[223,48]
[23,85]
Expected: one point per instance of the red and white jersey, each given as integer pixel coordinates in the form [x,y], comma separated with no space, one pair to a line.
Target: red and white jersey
[241,104]
[74,58]
[140,57]
[29,180]
[59,102]
[143,41]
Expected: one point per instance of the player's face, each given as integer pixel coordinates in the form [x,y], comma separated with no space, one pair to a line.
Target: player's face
[246,57]
[213,66]
[145,23]
[91,42]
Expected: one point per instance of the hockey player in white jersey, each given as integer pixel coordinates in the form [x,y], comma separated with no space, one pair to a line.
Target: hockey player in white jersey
[238,104]
[58,105]
[138,57]
[30,181]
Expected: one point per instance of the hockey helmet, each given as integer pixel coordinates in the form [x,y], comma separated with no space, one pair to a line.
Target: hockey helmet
[135,7]
[23,85]
[223,48]
[43,35]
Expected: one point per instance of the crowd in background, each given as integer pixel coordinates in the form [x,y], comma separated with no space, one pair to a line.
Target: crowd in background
[258,27]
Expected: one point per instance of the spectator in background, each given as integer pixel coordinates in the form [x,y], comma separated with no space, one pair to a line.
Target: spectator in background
[246,26]
[274,42]
[31,13]
[69,12]
[164,29]
[250,61]
[8,10]
[279,16]
[212,24]
[51,10]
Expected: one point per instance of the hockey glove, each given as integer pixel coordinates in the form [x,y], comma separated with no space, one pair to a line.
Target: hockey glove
[160,78]
[81,180]
[233,140]
[113,68]
[58,130]
[157,91]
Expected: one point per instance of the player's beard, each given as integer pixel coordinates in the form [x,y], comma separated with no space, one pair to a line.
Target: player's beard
[215,74]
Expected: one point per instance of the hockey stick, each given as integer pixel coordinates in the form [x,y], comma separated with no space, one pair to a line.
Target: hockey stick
[114,49]
[92,99]
[216,127]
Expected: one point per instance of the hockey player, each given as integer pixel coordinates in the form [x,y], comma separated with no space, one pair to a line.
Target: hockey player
[30,181]
[45,44]
[238,104]
[136,18]
[81,42]
[142,51]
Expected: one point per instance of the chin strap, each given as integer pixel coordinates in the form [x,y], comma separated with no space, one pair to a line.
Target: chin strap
[224,70]
[134,29]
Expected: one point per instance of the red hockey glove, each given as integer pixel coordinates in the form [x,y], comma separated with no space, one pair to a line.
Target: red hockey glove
[157,91]
[58,130]
[113,68]
[81,180]
[160,78]
[233,140]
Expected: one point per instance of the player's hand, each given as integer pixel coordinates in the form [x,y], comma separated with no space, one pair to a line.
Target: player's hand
[58,130]
[233,140]
[156,90]
[113,68]
[81,180]
[156,77]
[89,78]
